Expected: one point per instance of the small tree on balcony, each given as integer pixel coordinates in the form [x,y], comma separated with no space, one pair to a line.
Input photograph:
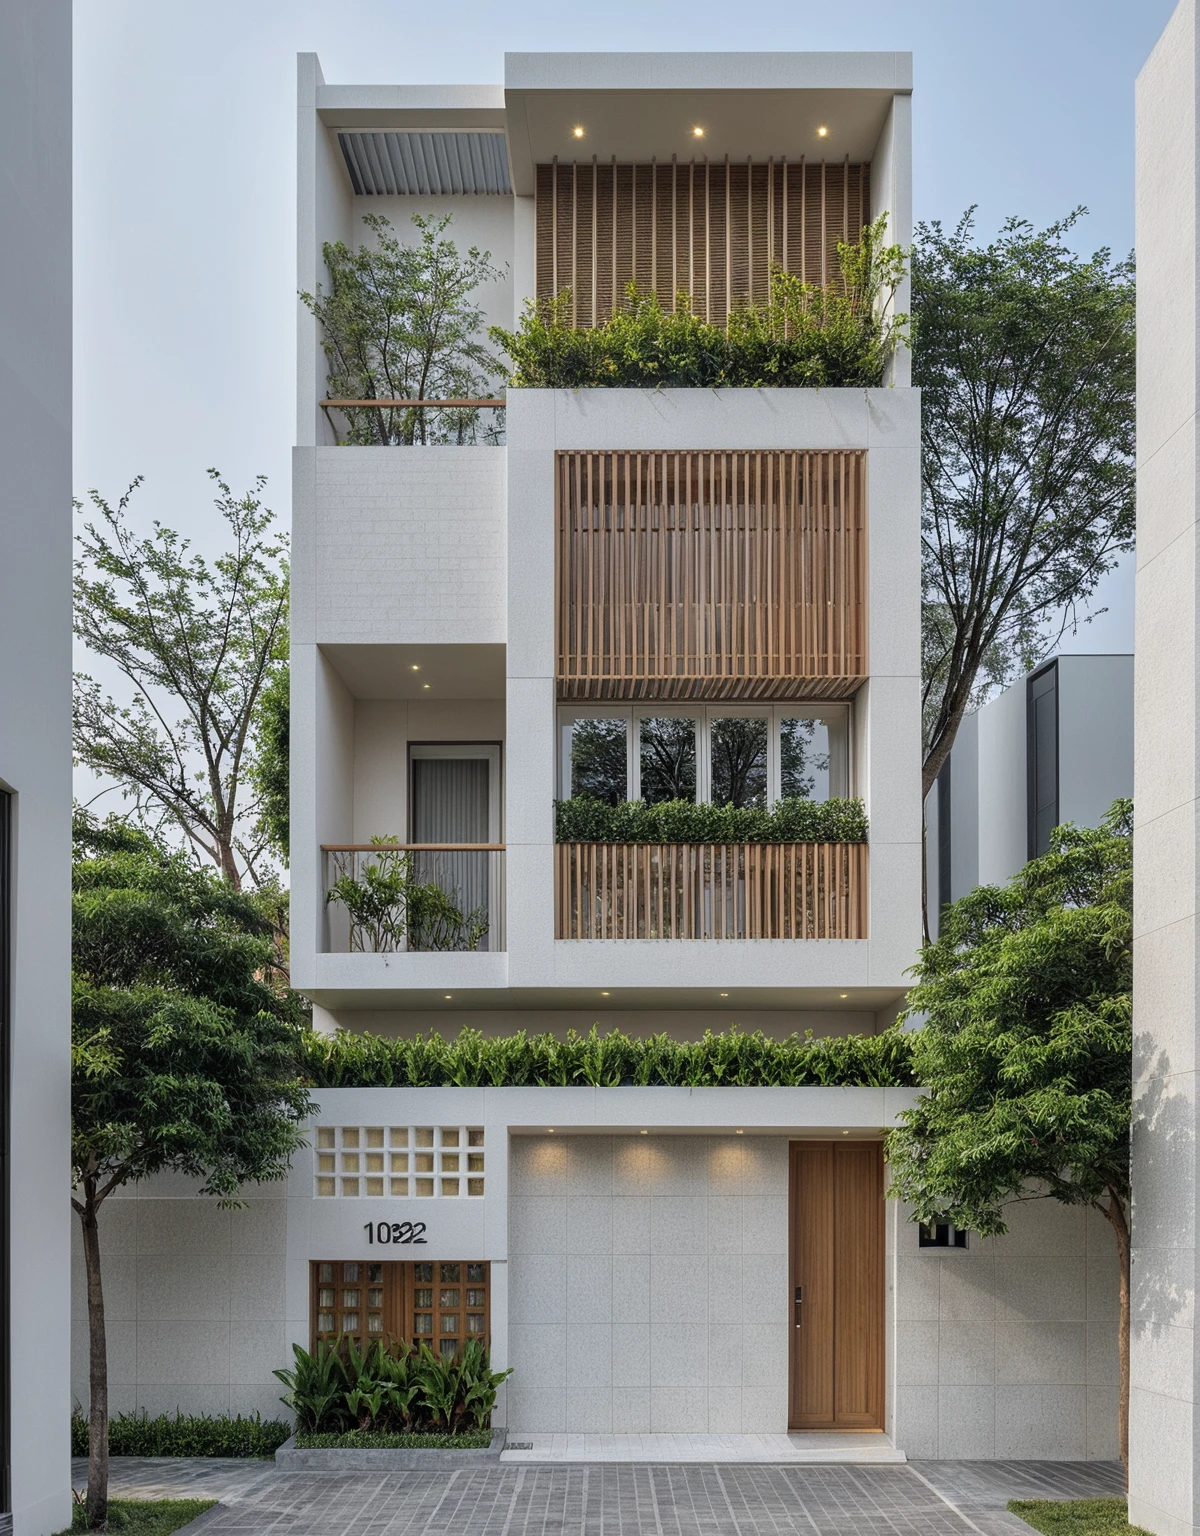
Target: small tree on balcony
[399,323]
[1025,1055]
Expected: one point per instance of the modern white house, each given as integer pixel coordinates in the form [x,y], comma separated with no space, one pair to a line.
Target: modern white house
[1055,746]
[606,601]
[35,764]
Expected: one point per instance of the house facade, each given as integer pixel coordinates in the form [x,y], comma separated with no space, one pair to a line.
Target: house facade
[617,594]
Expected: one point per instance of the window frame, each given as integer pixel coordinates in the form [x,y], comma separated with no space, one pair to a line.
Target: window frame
[837,717]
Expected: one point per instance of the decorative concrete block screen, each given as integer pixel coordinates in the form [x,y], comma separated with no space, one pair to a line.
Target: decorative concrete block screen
[711,575]
[714,231]
[434,1161]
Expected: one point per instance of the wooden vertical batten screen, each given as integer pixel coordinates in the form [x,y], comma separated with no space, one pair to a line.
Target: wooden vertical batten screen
[712,230]
[711,575]
[711,891]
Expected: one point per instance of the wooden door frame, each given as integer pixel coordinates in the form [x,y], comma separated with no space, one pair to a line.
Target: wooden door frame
[879,1393]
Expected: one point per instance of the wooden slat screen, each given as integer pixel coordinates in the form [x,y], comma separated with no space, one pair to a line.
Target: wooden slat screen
[711,575]
[711,891]
[713,230]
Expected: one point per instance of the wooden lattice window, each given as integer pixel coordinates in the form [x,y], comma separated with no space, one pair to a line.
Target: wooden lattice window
[436,1302]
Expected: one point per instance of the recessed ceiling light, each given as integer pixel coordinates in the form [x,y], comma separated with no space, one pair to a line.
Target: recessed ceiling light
[697,132]
[578,131]
[415,667]
[604,994]
[843,994]
[822,133]
[724,994]
[426,685]
[739,1132]
[645,1133]
[549,1130]
[845,1133]
[449,995]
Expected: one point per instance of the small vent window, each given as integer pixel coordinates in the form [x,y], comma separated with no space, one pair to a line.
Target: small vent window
[941,1235]
[399,1161]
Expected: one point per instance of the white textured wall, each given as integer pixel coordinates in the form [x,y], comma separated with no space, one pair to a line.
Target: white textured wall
[1003,792]
[1095,735]
[397,545]
[194,1298]
[1164,1473]
[648,1284]
[1007,1350]
[35,726]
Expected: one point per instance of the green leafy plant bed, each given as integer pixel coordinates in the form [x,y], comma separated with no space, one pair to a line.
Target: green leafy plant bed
[145,1517]
[733,1057]
[1076,1517]
[133,1434]
[584,820]
[805,336]
[368,1440]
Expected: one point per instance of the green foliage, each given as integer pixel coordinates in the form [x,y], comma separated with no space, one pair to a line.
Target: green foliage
[144,1517]
[1025,1053]
[732,1057]
[396,1390]
[195,641]
[806,336]
[269,769]
[1077,1517]
[1025,360]
[183,1058]
[386,900]
[372,1440]
[184,1434]
[398,324]
[585,820]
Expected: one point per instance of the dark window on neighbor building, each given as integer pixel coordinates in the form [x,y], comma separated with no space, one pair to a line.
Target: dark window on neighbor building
[1042,757]
[941,1235]
[945,892]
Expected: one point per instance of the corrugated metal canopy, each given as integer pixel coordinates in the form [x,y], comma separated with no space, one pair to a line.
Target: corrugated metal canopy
[409,164]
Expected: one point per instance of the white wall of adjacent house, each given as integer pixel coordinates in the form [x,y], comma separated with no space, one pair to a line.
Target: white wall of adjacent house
[639,1275]
[35,739]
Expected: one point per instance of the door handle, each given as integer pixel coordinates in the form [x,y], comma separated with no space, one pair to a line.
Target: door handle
[799,1304]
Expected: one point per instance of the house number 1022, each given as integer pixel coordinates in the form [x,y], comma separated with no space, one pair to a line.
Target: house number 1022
[395,1231]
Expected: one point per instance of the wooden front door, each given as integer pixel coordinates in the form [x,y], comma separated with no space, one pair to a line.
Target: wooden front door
[837,1285]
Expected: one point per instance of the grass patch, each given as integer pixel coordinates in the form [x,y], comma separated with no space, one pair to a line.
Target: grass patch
[1076,1517]
[144,1517]
[368,1440]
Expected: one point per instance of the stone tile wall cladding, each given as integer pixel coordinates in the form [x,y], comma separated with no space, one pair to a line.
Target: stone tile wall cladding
[648,1283]
[1009,1349]
[194,1302]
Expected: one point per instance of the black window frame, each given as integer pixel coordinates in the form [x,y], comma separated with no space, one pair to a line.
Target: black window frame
[1042,738]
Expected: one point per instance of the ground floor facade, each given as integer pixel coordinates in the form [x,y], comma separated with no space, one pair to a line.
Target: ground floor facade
[647,1260]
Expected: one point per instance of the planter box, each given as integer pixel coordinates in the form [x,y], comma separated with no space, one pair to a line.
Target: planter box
[291,1459]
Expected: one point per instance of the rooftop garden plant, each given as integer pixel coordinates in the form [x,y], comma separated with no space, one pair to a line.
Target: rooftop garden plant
[805,336]
[795,820]
[732,1057]
[400,322]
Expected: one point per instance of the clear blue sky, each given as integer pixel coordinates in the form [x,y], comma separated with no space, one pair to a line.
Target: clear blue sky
[185,179]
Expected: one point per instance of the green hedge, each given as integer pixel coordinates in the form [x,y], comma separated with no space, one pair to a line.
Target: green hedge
[733,1057]
[370,1440]
[803,337]
[585,820]
[133,1434]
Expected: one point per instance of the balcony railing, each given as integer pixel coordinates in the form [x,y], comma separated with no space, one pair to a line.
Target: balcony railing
[387,898]
[711,891]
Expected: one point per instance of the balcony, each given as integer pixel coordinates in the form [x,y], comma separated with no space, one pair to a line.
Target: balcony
[711,891]
[415,898]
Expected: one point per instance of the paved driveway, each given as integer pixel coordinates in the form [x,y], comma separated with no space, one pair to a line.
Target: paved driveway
[621,1500]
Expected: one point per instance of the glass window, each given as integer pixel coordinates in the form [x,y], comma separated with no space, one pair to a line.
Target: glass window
[598,759]
[668,758]
[803,759]
[739,761]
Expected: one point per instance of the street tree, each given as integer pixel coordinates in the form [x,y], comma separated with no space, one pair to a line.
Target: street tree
[1025,1051]
[184,1058]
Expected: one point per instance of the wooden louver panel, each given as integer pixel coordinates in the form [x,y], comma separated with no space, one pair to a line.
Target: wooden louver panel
[711,575]
[711,891]
[712,230]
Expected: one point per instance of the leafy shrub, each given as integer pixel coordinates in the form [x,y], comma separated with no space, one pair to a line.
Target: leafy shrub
[391,1389]
[586,820]
[133,1434]
[805,336]
[372,1440]
[734,1056]
[386,899]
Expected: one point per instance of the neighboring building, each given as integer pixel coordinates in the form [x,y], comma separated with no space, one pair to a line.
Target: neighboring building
[35,763]
[1164,1419]
[1055,746]
[479,630]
